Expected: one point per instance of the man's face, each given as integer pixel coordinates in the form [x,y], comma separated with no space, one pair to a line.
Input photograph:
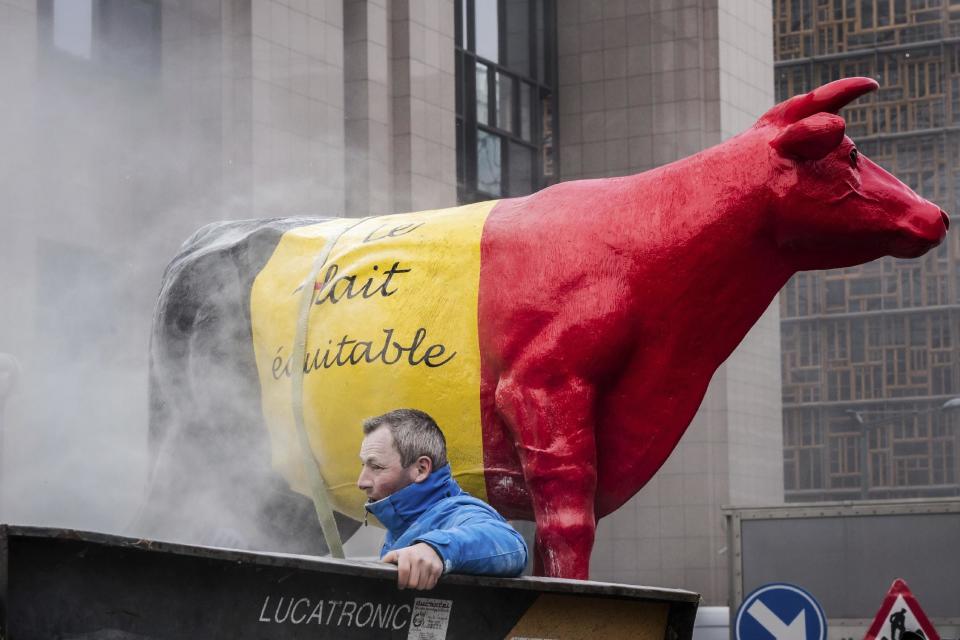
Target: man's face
[382,474]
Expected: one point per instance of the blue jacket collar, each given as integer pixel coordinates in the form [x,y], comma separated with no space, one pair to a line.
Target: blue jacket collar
[398,511]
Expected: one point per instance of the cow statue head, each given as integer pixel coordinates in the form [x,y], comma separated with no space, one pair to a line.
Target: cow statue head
[833,207]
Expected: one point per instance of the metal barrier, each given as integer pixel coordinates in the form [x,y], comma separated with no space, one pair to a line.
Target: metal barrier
[69,584]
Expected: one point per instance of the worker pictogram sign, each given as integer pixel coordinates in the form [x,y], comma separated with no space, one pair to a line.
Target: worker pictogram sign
[900,616]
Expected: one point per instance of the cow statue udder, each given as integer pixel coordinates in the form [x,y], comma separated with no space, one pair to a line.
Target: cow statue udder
[563,340]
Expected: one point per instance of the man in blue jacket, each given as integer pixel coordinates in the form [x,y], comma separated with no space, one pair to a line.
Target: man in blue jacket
[433,526]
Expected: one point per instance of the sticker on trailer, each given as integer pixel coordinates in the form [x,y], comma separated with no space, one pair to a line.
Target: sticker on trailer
[430,619]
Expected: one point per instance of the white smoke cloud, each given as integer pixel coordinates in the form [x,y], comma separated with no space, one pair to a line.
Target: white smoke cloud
[107,168]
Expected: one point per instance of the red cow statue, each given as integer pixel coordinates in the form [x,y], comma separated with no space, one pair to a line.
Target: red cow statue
[604,308]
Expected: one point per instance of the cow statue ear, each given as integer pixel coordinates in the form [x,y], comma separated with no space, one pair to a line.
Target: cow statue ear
[811,138]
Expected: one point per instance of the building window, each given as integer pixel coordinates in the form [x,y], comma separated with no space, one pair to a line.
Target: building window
[119,36]
[73,27]
[506,98]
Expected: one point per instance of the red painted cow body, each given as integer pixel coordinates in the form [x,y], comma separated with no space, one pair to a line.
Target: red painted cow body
[606,305]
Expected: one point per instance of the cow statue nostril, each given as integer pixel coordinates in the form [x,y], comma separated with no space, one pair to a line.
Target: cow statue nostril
[945,218]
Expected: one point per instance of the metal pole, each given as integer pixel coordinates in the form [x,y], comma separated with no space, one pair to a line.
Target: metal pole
[857,417]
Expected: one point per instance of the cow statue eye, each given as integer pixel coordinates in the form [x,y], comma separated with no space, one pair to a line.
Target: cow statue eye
[854,154]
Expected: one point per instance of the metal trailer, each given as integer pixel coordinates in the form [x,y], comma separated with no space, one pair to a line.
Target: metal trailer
[57,583]
[847,554]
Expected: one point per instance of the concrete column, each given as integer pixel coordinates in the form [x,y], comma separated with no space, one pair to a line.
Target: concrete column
[368,107]
[643,83]
[298,107]
[755,429]
[638,84]
[424,136]
[18,60]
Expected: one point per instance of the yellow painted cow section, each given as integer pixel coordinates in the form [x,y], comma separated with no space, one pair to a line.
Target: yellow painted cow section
[393,324]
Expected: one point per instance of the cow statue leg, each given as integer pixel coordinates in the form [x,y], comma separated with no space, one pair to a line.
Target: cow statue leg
[550,419]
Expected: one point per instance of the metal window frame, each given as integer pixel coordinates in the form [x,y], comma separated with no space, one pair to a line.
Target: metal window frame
[467,59]
[101,59]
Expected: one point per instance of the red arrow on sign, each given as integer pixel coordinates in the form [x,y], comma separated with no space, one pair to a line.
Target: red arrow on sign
[900,613]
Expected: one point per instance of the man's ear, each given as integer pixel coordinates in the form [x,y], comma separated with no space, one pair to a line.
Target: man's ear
[422,468]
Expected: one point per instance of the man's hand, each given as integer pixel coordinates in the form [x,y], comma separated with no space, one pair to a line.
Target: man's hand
[418,566]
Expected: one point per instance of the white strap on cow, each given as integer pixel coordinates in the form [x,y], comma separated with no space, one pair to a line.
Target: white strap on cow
[318,487]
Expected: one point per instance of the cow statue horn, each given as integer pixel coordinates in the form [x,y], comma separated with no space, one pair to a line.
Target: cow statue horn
[829,98]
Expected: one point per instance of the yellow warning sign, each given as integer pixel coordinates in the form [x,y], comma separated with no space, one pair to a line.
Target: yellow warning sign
[392,324]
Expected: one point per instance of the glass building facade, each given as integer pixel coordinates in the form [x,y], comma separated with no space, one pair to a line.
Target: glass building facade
[506,98]
[871,354]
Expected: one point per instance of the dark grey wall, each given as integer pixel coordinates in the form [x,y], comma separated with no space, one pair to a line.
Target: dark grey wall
[848,563]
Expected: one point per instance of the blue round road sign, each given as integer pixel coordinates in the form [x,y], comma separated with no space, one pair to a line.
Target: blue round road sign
[780,612]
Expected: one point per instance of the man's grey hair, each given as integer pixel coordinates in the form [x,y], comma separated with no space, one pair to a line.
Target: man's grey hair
[414,433]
